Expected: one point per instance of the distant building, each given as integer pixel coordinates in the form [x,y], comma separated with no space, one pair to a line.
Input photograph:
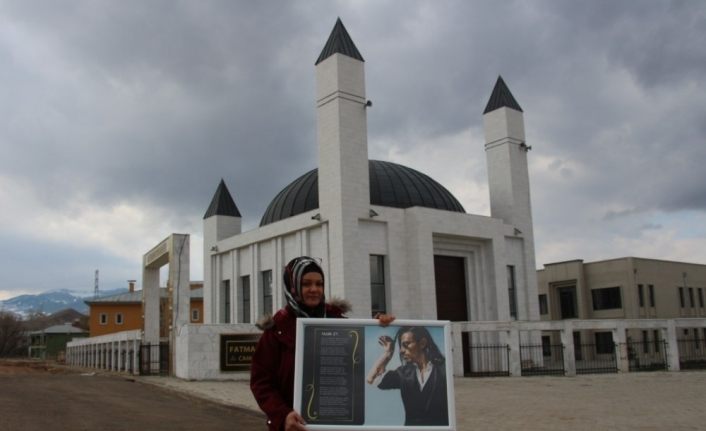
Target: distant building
[50,343]
[624,288]
[124,312]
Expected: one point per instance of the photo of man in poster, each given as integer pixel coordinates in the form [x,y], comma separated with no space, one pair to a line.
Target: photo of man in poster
[420,376]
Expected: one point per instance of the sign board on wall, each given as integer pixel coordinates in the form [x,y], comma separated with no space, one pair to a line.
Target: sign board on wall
[353,374]
[237,351]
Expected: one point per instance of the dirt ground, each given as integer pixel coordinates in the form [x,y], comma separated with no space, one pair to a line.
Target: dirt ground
[36,396]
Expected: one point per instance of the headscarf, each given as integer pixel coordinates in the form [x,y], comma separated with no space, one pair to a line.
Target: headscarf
[293,273]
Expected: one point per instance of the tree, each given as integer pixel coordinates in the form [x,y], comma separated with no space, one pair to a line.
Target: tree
[12,336]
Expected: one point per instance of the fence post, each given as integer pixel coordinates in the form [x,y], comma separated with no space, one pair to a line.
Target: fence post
[513,341]
[670,334]
[135,356]
[622,361]
[457,339]
[567,339]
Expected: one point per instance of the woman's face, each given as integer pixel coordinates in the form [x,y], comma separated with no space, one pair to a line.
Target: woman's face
[312,289]
[411,349]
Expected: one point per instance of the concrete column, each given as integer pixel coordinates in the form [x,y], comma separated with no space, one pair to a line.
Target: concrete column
[135,356]
[457,350]
[513,341]
[179,273]
[670,334]
[150,298]
[120,355]
[567,339]
[621,348]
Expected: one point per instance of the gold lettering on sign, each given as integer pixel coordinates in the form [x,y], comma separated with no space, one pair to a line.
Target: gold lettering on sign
[237,351]
[241,349]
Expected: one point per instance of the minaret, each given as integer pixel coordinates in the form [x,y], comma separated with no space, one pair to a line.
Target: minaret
[222,220]
[344,191]
[508,181]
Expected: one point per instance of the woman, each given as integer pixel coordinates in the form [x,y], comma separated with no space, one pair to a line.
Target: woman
[272,371]
[421,378]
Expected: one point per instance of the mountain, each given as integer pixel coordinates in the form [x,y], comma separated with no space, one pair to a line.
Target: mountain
[51,302]
[65,316]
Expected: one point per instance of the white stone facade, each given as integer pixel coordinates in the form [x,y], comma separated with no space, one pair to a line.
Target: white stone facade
[344,233]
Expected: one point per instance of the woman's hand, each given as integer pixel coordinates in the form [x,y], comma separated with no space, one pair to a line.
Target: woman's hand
[294,422]
[385,319]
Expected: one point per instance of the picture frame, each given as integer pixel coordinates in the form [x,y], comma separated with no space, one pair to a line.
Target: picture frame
[338,384]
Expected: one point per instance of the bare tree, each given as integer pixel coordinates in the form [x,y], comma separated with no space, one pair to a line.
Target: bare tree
[12,337]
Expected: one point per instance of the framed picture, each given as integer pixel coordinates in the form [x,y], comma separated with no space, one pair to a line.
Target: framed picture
[353,374]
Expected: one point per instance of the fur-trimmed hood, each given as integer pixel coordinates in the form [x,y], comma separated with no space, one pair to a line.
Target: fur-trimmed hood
[336,306]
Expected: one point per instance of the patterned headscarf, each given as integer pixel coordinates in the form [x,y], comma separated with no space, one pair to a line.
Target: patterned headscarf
[293,273]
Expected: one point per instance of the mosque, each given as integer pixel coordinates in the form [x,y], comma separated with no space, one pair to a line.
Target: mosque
[392,239]
[389,238]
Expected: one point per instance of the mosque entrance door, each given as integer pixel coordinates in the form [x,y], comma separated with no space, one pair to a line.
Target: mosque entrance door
[450,275]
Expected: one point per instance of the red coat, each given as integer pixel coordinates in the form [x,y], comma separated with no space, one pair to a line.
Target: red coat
[272,369]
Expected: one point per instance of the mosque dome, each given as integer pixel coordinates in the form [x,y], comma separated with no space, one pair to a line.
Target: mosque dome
[391,185]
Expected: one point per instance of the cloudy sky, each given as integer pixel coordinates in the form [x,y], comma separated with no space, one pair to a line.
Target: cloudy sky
[118,119]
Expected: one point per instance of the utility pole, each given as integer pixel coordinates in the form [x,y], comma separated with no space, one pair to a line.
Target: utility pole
[95,288]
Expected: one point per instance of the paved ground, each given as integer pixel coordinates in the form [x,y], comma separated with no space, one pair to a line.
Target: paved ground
[635,401]
[60,400]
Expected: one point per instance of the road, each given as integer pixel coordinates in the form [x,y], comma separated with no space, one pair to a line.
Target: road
[42,399]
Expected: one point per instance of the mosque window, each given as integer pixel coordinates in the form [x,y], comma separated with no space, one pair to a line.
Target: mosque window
[119,318]
[377,285]
[103,319]
[244,300]
[266,278]
[512,291]
[225,301]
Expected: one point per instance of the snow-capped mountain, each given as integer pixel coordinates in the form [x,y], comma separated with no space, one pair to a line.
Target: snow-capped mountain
[51,302]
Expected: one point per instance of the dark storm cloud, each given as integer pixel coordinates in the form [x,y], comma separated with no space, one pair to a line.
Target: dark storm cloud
[177,95]
[152,102]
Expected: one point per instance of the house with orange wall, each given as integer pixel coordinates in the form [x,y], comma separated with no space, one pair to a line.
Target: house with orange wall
[123,312]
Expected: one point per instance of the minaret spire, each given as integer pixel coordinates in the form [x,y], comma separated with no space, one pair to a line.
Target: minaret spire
[339,42]
[222,203]
[501,97]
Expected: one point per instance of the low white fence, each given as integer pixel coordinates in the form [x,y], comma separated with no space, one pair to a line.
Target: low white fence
[510,333]
[197,349]
[114,352]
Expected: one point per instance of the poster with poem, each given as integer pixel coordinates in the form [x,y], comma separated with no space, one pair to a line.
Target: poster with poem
[353,374]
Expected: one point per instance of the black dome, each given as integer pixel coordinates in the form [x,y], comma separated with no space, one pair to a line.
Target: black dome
[391,185]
